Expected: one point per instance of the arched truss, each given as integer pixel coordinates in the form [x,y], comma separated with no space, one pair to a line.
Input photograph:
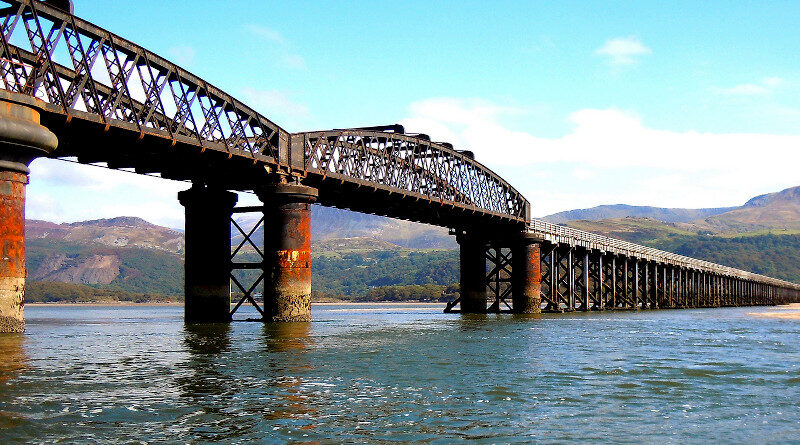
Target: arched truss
[410,164]
[85,72]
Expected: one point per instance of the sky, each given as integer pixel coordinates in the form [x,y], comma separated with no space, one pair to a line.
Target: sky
[576,104]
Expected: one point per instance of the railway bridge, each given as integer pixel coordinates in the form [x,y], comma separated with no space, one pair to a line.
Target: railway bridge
[75,91]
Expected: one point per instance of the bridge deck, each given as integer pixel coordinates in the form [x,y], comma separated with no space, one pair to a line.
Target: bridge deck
[558,234]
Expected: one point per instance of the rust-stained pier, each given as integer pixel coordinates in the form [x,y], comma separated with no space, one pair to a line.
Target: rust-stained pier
[116,104]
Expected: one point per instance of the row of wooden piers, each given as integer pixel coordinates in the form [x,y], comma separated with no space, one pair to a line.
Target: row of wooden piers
[526,274]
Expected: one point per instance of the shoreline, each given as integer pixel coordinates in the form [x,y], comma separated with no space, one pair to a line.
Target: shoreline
[789,311]
[178,303]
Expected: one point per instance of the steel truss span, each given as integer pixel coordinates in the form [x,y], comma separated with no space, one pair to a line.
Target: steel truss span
[112,82]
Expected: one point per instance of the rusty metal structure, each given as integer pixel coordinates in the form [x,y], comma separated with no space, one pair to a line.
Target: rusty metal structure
[583,271]
[95,90]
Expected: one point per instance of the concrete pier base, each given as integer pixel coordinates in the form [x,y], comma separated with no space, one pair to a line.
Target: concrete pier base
[472,258]
[526,280]
[287,251]
[22,139]
[208,250]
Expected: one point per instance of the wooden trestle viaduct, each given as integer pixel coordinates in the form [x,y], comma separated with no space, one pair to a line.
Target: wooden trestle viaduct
[72,90]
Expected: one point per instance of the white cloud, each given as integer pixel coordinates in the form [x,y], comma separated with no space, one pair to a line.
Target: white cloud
[61,191]
[746,89]
[281,48]
[773,81]
[611,156]
[765,86]
[623,50]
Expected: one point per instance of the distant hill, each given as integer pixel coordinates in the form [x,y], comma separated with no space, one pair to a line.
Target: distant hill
[623,211]
[123,231]
[128,258]
[332,223]
[366,256]
[776,213]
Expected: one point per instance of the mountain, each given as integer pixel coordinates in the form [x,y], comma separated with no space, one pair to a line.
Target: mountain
[124,231]
[331,223]
[128,258]
[623,211]
[776,213]
[124,253]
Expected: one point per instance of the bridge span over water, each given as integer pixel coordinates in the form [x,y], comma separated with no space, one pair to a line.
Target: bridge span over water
[73,90]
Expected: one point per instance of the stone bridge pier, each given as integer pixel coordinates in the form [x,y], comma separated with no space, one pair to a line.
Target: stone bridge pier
[22,139]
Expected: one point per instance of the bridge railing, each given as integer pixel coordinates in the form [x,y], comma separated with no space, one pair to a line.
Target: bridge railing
[413,164]
[555,233]
[113,81]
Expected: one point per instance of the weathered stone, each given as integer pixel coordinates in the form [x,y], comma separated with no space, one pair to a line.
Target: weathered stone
[12,302]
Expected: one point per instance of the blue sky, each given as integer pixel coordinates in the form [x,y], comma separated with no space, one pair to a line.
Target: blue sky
[680,104]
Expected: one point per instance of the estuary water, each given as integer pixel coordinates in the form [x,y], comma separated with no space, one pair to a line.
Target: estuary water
[389,373]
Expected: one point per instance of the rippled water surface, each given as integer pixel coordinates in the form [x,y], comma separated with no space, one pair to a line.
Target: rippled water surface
[384,373]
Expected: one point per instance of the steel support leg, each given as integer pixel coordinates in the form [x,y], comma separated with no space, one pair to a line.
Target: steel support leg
[473,273]
[526,277]
[22,139]
[287,251]
[207,294]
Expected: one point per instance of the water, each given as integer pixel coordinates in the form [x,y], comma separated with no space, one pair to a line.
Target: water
[381,373]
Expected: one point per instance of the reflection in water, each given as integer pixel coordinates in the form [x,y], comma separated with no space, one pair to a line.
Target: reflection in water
[13,361]
[203,339]
[286,345]
[287,337]
[205,343]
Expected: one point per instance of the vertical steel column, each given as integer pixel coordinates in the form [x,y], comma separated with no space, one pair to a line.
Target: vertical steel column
[636,284]
[526,276]
[626,290]
[207,286]
[613,281]
[555,270]
[22,138]
[570,279]
[646,302]
[671,286]
[586,268]
[472,255]
[601,288]
[287,251]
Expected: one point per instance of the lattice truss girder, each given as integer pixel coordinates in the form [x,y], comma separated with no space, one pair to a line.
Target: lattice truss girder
[130,86]
[413,165]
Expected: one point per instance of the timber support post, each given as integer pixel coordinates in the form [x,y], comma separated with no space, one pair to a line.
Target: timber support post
[207,288]
[22,139]
[287,251]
